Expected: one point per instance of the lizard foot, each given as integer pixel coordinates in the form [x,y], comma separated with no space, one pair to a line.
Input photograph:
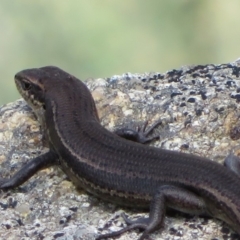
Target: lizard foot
[140,134]
[141,223]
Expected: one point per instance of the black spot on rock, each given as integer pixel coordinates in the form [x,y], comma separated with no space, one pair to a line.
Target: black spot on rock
[191,100]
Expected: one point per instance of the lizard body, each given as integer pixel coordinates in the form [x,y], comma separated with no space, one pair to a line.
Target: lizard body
[115,169]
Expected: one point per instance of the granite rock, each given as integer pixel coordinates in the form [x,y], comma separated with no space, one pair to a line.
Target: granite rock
[199,109]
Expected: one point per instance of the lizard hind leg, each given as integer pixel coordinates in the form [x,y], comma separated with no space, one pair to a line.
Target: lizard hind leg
[145,224]
[166,195]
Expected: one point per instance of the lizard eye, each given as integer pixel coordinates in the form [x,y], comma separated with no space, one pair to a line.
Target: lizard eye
[26,86]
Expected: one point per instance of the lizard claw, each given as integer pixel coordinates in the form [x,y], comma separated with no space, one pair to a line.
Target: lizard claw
[141,223]
[139,134]
[141,220]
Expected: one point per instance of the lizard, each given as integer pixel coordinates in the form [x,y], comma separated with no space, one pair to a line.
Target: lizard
[116,169]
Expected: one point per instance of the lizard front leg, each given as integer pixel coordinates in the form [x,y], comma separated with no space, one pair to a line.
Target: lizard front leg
[140,134]
[29,169]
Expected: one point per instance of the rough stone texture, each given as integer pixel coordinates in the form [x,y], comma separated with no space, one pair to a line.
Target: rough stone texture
[199,109]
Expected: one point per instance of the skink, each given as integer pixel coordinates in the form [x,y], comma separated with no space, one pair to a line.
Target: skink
[115,169]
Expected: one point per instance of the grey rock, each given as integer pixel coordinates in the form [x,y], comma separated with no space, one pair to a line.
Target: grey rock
[199,109]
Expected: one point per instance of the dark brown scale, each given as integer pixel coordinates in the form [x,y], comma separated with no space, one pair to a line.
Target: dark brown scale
[122,171]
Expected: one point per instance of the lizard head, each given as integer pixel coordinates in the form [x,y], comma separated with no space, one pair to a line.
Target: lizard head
[29,85]
[33,85]
[30,88]
[42,86]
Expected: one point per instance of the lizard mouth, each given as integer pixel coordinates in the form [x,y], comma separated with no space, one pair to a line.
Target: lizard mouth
[27,89]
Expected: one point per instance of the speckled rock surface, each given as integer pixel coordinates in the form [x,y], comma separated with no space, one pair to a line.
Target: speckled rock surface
[199,109]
